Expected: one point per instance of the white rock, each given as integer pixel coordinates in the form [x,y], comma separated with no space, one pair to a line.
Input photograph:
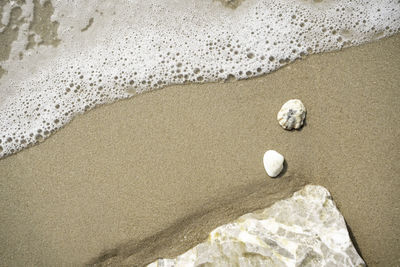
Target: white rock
[304,230]
[292,114]
[273,163]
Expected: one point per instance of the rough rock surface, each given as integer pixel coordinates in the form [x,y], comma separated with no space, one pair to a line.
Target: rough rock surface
[292,115]
[304,230]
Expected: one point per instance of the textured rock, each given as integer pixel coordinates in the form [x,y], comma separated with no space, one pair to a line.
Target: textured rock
[304,230]
[273,163]
[292,114]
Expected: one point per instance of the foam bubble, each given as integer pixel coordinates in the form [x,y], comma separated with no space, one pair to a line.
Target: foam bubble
[87,53]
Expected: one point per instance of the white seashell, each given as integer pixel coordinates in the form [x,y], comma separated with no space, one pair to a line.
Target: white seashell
[273,163]
[292,114]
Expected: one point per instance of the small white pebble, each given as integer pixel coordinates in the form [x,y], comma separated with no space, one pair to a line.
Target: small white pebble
[292,114]
[273,163]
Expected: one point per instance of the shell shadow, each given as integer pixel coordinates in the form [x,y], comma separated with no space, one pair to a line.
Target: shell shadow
[284,170]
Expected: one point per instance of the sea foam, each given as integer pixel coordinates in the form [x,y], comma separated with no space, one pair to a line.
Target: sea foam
[62,58]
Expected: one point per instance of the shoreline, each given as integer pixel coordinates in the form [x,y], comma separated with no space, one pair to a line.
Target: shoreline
[152,167]
[134,94]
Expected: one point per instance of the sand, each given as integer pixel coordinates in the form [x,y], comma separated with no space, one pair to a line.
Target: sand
[150,176]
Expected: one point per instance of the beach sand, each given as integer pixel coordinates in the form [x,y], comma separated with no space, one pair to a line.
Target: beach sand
[150,176]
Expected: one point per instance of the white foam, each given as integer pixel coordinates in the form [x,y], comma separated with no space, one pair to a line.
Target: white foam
[133,46]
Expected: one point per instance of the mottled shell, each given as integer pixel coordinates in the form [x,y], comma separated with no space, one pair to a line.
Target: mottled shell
[292,114]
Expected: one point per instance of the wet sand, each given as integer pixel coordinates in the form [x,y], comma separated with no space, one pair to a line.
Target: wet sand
[150,176]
